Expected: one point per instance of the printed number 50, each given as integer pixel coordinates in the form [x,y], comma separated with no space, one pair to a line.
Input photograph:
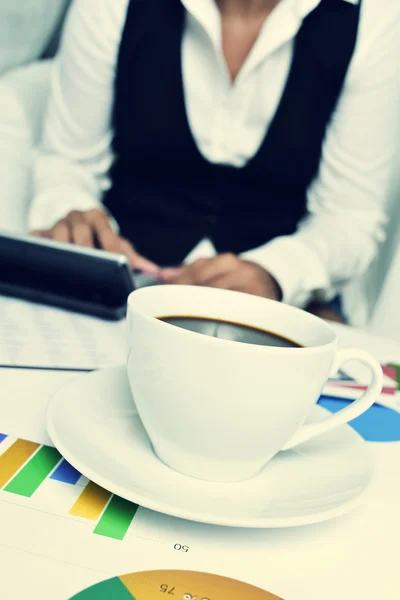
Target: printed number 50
[181,548]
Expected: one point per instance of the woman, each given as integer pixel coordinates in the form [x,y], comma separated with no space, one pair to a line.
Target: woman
[264,126]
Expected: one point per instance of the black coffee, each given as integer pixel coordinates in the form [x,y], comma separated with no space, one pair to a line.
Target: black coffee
[228,330]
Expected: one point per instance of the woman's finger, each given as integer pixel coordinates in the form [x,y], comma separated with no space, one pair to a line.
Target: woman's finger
[108,238]
[248,281]
[204,270]
[137,261]
[227,281]
[170,275]
[81,231]
[61,232]
[42,233]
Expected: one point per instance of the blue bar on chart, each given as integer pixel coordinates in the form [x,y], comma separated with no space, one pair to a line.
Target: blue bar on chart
[2,437]
[66,473]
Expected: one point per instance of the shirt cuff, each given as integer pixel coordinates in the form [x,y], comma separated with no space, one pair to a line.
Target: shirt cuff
[50,207]
[296,268]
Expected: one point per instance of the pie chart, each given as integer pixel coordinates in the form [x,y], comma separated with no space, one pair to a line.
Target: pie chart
[177,585]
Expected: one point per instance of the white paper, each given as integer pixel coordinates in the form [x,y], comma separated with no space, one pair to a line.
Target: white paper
[24,396]
[34,335]
[354,556]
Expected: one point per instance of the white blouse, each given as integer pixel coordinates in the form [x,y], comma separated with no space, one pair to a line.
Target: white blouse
[346,202]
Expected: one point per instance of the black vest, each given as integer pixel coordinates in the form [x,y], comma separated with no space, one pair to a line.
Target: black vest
[165,195]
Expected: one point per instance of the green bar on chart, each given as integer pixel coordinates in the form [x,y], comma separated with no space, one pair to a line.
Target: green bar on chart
[27,481]
[116,519]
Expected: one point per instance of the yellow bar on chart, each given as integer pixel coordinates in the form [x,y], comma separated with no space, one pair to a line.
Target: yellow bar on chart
[91,502]
[14,458]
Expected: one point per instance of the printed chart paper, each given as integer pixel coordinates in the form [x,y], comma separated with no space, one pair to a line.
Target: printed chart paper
[38,336]
[66,535]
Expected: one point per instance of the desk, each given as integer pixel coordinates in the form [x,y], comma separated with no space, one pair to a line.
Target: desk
[46,554]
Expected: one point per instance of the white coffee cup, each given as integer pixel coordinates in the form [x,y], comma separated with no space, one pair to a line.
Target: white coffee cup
[219,410]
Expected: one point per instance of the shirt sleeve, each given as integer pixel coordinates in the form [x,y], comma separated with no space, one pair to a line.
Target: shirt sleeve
[72,162]
[346,204]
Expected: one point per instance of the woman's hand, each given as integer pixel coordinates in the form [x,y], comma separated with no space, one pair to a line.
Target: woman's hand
[92,229]
[226,271]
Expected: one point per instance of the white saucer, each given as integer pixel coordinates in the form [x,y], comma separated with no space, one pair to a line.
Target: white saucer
[91,422]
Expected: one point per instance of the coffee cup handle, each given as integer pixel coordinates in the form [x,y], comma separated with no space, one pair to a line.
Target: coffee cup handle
[353,410]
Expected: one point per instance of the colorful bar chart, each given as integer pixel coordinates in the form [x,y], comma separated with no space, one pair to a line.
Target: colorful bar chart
[116,518]
[26,466]
[66,473]
[27,481]
[91,502]
[14,458]
[378,424]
